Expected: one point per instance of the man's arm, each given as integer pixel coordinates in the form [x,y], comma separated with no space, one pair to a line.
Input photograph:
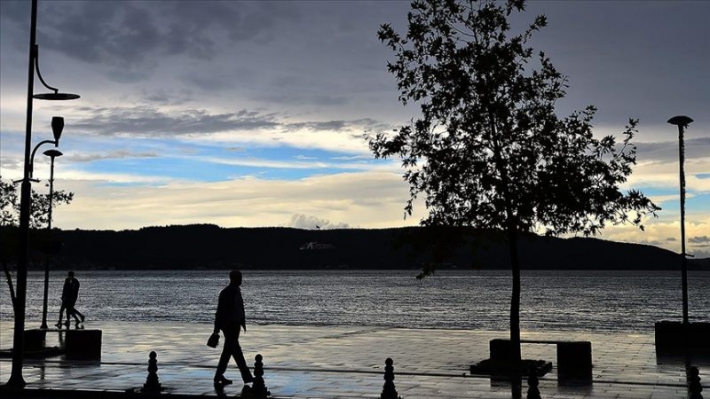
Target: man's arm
[242,314]
[218,313]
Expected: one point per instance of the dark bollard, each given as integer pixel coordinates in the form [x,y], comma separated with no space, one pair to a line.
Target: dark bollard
[694,387]
[152,385]
[533,383]
[389,391]
[258,389]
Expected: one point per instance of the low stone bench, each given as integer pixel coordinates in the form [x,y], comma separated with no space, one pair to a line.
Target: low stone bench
[79,344]
[83,344]
[35,340]
[673,338]
[574,358]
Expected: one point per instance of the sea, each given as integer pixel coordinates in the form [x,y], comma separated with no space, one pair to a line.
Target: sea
[451,299]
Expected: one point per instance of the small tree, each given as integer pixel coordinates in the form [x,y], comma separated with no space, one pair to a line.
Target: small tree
[488,150]
[9,220]
[8,203]
[39,205]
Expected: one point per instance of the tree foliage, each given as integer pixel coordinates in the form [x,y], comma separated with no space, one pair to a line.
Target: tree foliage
[488,150]
[39,205]
[9,221]
[8,203]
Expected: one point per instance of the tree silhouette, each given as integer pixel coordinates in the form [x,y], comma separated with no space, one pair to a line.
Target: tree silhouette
[9,221]
[39,205]
[488,151]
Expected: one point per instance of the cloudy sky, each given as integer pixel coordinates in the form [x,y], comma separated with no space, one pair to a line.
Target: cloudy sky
[244,113]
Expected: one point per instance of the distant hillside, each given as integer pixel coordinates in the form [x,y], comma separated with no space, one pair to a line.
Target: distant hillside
[212,247]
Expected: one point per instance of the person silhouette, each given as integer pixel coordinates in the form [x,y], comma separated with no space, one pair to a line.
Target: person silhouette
[63,307]
[229,318]
[70,293]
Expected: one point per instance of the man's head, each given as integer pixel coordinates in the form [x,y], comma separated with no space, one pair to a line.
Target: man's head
[70,274]
[235,277]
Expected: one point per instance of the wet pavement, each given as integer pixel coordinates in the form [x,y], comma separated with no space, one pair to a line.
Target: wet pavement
[348,362]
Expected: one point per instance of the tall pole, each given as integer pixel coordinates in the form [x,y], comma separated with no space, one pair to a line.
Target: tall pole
[51,154]
[18,342]
[684,260]
[682,122]
[18,339]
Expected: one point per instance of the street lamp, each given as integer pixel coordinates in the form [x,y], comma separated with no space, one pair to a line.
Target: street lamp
[18,341]
[682,122]
[51,154]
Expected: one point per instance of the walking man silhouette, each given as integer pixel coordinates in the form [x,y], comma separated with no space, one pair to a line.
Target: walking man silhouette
[229,318]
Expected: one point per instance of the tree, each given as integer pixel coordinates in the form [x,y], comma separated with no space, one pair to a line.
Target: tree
[9,221]
[8,203]
[39,205]
[488,151]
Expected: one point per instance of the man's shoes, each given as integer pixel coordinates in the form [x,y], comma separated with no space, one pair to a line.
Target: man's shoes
[221,380]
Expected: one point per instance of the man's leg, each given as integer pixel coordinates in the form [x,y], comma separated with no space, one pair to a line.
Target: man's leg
[241,362]
[67,309]
[61,313]
[71,311]
[76,312]
[227,351]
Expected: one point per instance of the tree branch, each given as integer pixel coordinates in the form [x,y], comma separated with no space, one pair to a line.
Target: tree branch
[8,278]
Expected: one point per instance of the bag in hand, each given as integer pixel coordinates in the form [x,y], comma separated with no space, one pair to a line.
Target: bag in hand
[213,341]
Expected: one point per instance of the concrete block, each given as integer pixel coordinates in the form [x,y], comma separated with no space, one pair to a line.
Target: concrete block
[83,344]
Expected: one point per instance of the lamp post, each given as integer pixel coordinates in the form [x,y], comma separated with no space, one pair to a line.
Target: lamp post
[51,154]
[682,122]
[18,340]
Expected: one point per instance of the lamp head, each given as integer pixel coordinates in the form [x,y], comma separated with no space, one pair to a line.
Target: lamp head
[57,127]
[53,153]
[680,120]
[56,96]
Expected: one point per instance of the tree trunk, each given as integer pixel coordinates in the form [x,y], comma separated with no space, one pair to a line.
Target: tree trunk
[515,297]
[512,233]
[515,353]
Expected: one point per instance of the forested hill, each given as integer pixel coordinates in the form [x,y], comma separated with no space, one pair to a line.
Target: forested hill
[212,247]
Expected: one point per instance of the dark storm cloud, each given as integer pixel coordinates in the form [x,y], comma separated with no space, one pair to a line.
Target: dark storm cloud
[211,82]
[166,97]
[667,151]
[129,37]
[117,34]
[151,121]
[144,121]
[300,98]
[338,125]
[640,59]
[15,11]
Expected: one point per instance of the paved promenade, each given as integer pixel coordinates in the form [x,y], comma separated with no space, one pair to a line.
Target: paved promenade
[348,362]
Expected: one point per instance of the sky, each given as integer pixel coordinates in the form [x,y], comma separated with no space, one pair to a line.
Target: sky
[256,113]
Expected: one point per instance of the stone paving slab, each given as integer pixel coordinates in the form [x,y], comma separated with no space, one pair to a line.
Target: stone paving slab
[348,362]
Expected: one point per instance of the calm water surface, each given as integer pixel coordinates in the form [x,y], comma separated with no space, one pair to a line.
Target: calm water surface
[551,300]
